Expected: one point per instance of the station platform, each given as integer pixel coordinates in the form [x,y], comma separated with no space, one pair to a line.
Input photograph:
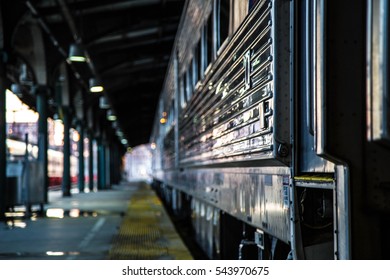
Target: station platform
[126,222]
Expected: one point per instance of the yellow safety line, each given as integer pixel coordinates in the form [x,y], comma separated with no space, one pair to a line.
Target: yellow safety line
[314,178]
[146,232]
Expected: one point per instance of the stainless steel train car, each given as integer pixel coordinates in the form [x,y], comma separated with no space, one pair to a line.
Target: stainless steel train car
[272,132]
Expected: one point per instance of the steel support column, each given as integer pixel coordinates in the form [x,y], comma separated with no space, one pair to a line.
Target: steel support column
[118,166]
[114,166]
[3,135]
[90,162]
[107,171]
[43,144]
[81,177]
[101,166]
[66,184]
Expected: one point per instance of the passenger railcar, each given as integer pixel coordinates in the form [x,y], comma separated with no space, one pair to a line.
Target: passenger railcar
[17,149]
[272,131]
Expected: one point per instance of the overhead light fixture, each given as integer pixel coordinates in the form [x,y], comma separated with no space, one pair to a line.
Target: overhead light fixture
[76,53]
[111,116]
[124,141]
[95,85]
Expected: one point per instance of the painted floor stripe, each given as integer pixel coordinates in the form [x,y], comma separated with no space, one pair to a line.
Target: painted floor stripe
[87,239]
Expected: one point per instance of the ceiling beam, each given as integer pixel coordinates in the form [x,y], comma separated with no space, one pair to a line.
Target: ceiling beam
[130,67]
[134,33]
[112,7]
[129,46]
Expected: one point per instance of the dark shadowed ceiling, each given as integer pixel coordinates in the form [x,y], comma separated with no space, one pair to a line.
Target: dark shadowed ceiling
[129,43]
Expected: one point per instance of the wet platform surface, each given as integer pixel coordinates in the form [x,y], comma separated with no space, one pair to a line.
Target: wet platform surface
[126,222]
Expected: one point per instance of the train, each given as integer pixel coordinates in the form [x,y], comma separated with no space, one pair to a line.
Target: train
[272,129]
[17,150]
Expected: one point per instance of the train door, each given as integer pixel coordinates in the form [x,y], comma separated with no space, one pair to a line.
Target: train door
[321,204]
[377,131]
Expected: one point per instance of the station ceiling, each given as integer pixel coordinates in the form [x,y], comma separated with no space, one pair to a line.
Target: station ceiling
[129,43]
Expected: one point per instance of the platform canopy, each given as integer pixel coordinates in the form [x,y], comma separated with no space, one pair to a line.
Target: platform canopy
[127,43]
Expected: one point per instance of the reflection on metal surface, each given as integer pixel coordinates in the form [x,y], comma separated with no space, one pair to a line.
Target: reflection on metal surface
[255,195]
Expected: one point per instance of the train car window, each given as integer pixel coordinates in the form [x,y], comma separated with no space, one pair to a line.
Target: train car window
[199,59]
[194,64]
[173,112]
[223,21]
[185,87]
[189,83]
[183,102]
[209,40]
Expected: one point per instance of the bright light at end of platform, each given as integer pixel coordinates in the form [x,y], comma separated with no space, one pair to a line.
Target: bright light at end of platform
[153,146]
[163,120]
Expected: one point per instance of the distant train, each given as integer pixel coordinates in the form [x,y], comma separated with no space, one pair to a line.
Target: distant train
[273,128]
[17,150]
